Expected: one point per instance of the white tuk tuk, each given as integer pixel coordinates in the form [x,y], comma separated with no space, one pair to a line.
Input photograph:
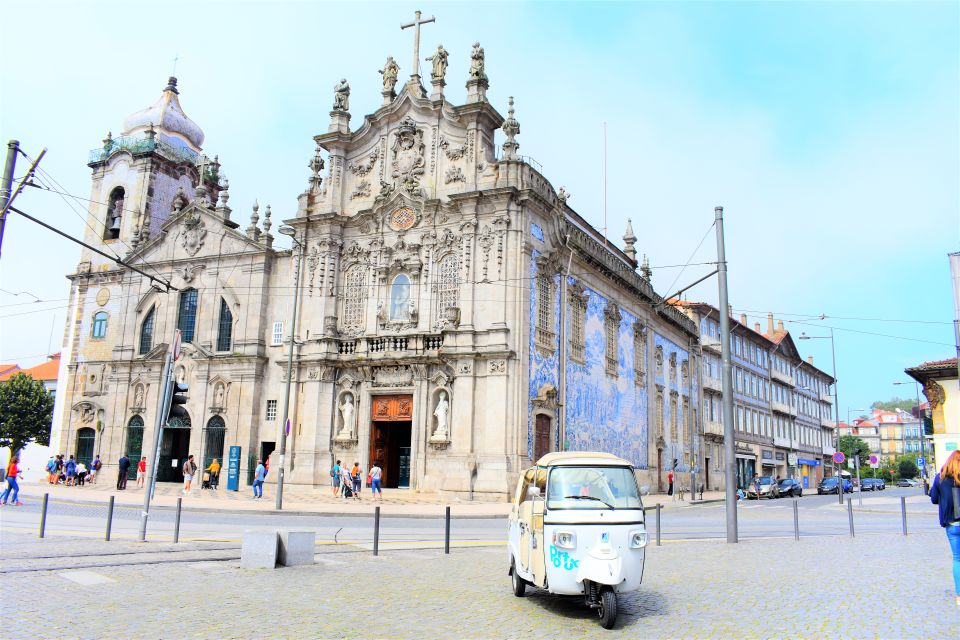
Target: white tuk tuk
[577,528]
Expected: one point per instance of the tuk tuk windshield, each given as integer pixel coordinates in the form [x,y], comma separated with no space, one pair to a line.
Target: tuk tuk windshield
[592,488]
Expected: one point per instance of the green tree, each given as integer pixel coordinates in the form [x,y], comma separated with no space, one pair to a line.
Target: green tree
[26,411]
[905,465]
[894,403]
[849,444]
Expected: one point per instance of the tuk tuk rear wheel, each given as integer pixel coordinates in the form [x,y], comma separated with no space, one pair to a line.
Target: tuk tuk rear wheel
[518,583]
[608,608]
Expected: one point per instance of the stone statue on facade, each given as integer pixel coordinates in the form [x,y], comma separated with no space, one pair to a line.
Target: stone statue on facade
[341,96]
[389,73]
[346,414]
[441,413]
[138,396]
[477,71]
[439,60]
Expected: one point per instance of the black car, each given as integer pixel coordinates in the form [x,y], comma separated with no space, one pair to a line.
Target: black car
[829,485]
[869,484]
[790,487]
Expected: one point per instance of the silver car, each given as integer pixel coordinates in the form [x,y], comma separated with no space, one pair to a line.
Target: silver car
[767,488]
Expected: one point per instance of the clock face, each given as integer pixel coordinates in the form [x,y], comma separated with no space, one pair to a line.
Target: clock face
[402,219]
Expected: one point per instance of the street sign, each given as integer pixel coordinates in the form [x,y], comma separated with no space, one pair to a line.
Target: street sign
[838,457]
[920,462]
[176,346]
[874,462]
[233,469]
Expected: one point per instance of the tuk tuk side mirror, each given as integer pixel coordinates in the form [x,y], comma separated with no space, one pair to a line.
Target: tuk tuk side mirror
[645,490]
[533,492]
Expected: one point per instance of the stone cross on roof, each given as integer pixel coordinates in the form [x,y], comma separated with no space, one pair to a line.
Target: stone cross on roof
[415,69]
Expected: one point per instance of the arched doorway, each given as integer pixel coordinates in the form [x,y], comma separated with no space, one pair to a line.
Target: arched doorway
[214,436]
[86,438]
[174,449]
[541,436]
[134,448]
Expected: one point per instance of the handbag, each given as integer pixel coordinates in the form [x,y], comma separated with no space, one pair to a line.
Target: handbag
[956,503]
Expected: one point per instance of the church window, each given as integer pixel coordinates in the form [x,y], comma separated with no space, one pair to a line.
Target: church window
[578,315]
[659,358]
[686,415]
[276,336]
[639,354]
[660,413]
[111,224]
[611,334]
[271,409]
[448,284]
[400,298]
[225,327]
[146,332]
[187,315]
[99,325]
[544,329]
[354,298]
[674,423]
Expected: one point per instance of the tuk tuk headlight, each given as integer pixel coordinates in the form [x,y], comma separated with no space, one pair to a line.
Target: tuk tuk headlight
[638,539]
[564,539]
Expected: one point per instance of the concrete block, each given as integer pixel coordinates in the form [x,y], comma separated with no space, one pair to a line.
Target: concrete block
[259,549]
[297,547]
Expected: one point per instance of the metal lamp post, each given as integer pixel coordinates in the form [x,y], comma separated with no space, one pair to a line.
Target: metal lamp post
[923,440]
[287,230]
[836,405]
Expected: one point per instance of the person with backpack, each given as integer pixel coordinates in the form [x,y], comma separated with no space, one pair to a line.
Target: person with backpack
[335,478]
[123,468]
[51,468]
[945,492]
[357,477]
[376,473]
[13,472]
[71,468]
[95,467]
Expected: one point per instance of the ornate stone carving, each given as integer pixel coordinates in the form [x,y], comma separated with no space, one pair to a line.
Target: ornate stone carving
[453,152]
[441,413]
[397,376]
[498,366]
[363,167]
[934,393]
[389,73]
[407,154]
[194,232]
[361,190]
[477,63]
[439,60]
[189,272]
[465,368]
[454,174]
[341,96]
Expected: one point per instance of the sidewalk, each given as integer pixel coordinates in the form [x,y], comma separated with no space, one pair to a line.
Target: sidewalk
[396,502]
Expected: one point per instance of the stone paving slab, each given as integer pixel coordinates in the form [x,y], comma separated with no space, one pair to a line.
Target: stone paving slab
[690,590]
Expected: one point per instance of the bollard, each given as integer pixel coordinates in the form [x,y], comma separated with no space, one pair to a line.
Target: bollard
[903,513]
[658,523]
[446,536]
[376,531]
[850,517]
[176,522]
[43,514]
[109,519]
[796,520]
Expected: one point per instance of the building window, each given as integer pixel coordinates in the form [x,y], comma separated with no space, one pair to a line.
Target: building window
[611,335]
[544,330]
[658,356]
[354,298]
[271,409]
[659,412]
[687,415]
[225,328]
[448,283]
[276,337]
[146,332]
[111,224]
[674,423]
[639,353]
[99,329]
[578,319]
[400,298]
[187,315]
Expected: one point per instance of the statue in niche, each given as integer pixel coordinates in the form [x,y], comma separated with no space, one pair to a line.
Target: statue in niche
[341,96]
[389,73]
[439,60]
[218,396]
[477,62]
[400,302]
[346,414]
[138,396]
[440,413]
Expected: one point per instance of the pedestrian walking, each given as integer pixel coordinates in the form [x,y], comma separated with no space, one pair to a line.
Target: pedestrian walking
[13,489]
[141,471]
[670,483]
[335,478]
[95,467]
[258,477]
[189,470]
[51,468]
[945,492]
[123,468]
[376,473]
[214,471]
[356,475]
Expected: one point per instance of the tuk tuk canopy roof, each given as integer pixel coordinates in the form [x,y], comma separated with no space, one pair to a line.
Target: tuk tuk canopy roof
[582,458]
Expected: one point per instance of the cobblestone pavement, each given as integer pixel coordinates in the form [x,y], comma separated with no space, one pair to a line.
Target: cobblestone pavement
[815,588]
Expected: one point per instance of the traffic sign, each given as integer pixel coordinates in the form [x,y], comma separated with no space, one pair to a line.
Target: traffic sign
[176,346]
[874,462]
[920,462]
[838,457]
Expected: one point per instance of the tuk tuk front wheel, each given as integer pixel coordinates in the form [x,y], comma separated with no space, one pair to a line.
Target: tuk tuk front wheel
[518,583]
[608,608]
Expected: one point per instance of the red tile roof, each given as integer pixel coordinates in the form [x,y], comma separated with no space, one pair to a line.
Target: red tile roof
[49,370]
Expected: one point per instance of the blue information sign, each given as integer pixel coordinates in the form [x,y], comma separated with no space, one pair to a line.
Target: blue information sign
[233,469]
[920,462]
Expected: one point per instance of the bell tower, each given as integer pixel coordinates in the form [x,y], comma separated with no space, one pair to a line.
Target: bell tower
[140,176]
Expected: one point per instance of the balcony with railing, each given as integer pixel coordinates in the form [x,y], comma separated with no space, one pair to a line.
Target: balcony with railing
[783,407]
[780,376]
[826,397]
[139,146]
[828,450]
[711,343]
[828,423]
[713,427]
[713,384]
[390,345]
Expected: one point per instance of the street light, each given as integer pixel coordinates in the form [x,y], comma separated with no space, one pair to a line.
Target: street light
[836,406]
[923,445]
[287,230]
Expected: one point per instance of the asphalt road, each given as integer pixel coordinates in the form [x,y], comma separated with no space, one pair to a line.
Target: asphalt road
[818,516]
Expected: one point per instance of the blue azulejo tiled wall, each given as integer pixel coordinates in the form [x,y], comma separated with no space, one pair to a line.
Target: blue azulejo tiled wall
[544,369]
[671,379]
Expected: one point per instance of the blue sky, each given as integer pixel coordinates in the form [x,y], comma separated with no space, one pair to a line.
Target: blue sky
[828,131]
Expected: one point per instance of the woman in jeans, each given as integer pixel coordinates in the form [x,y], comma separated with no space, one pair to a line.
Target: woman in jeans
[13,470]
[946,493]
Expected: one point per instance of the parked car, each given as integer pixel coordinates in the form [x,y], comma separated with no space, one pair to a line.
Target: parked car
[768,488]
[907,482]
[790,487]
[868,484]
[830,485]
[881,484]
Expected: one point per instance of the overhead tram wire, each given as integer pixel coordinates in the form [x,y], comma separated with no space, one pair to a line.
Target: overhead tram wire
[869,333]
[690,259]
[831,317]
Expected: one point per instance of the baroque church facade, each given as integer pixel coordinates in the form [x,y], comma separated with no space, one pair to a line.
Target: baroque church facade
[454,317]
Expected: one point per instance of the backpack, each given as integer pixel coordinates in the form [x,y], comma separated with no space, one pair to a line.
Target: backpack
[333,471]
[96,465]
